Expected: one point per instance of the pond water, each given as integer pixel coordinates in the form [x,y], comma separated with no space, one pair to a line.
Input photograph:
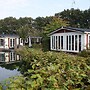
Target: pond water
[5,73]
[7,65]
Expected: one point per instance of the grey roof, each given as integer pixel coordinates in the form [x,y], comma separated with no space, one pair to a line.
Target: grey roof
[9,35]
[72,29]
[78,29]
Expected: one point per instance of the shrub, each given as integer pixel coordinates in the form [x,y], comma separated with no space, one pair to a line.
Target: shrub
[46,44]
[85,53]
[53,71]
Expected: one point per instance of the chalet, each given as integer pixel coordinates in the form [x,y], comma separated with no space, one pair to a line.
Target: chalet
[70,39]
[8,41]
[33,39]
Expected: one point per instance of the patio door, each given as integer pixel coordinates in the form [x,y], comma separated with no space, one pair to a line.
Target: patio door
[73,43]
[57,42]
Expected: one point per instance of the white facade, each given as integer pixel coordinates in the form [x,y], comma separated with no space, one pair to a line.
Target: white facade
[69,41]
[30,40]
[10,41]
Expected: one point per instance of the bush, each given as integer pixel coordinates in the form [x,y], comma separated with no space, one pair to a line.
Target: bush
[85,53]
[1,87]
[46,44]
[53,71]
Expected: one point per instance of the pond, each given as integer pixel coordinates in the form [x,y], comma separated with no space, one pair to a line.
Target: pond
[8,65]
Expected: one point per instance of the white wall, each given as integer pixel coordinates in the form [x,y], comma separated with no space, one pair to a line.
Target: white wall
[64,40]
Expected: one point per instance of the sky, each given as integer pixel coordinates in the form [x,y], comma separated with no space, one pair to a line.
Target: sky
[36,8]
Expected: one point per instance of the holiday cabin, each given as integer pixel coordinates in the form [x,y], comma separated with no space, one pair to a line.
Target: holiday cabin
[70,39]
[8,41]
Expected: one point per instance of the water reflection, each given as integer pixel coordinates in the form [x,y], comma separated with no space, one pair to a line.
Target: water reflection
[9,56]
[9,65]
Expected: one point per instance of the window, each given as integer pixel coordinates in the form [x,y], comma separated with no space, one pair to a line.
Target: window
[10,42]
[56,43]
[79,42]
[76,42]
[72,42]
[69,42]
[61,42]
[89,42]
[13,42]
[12,56]
[1,42]
[2,57]
[52,42]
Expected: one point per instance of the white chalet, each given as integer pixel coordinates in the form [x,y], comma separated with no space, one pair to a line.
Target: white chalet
[70,39]
[10,41]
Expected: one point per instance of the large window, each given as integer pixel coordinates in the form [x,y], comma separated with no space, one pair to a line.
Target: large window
[1,42]
[12,43]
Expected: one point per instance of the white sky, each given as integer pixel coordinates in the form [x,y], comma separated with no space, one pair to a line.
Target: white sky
[35,8]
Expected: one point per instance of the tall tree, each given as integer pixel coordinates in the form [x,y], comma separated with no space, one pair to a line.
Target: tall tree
[54,24]
[24,32]
[8,25]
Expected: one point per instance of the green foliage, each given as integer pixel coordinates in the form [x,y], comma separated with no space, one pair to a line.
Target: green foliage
[85,53]
[54,24]
[24,31]
[76,17]
[52,71]
[1,87]
[37,46]
[46,43]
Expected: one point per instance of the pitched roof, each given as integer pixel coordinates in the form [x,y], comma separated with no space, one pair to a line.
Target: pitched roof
[72,29]
[9,35]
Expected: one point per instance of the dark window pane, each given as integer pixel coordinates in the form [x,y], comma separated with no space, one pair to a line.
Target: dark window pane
[75,42]
[79,42]
[72,42]
[61,42]
[67,42]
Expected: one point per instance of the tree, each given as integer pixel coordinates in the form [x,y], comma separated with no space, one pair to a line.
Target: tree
[8,25]
[24,32]
[76,17]
[54,24]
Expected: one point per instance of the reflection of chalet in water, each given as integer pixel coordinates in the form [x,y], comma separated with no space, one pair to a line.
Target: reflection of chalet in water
[10,41]
[9,57]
